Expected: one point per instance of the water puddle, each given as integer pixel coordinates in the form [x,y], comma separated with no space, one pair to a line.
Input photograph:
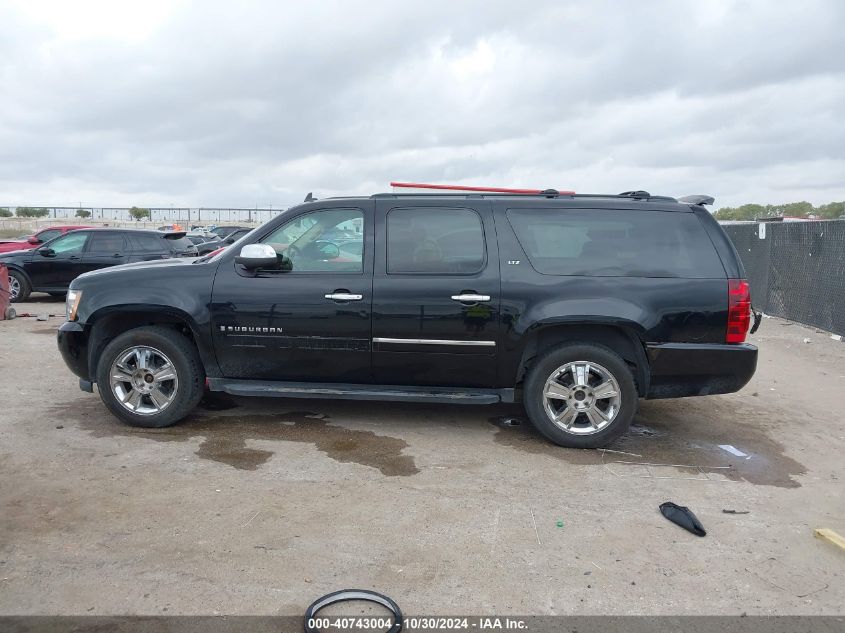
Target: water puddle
[677,439]
[225,437]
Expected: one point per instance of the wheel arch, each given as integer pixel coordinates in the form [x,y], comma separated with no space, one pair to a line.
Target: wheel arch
[106,324]
[622,338]
[18,269]
[14,268]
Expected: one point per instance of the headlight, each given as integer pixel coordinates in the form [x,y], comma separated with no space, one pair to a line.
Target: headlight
[72,303]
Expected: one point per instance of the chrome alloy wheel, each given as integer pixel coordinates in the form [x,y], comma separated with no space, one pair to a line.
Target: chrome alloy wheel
[14,287]
[143,380]
[581,397]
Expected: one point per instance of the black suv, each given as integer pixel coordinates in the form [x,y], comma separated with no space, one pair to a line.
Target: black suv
[54,265]
[577,305]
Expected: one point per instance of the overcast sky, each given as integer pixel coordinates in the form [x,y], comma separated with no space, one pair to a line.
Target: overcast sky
[257,103]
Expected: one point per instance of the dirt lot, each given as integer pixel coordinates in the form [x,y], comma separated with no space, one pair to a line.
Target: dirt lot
[258,507]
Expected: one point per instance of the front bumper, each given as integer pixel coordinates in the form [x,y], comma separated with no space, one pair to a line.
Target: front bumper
[699,369]
[73,344]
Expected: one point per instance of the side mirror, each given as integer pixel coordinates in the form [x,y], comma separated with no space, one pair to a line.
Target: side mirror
[255,256]
[47,252]
[33,240]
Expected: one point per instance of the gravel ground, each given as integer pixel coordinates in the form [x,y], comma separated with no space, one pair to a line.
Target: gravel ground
[260,506]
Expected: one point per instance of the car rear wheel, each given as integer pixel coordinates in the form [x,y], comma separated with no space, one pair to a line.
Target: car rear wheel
[150,377]
[580,395]
[19,287]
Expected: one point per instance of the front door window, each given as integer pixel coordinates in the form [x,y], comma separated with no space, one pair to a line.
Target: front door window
[70,244]
[328,240]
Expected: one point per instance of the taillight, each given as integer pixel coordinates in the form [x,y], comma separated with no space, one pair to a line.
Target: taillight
[739,310]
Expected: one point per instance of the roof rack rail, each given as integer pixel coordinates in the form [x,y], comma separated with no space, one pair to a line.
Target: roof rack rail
[471,189]
[638,195]
[698,199]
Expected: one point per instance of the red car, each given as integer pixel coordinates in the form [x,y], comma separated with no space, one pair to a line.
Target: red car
[33,241]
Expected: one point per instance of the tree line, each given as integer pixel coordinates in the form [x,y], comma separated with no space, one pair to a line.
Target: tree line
[829,211]
[137,213]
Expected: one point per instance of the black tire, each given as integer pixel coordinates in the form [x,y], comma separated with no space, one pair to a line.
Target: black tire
[557,357]
[57,294]
[25,288]
[184,358]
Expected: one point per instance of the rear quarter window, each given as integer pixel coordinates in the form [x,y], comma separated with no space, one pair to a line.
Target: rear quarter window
[615,243]
[106,243]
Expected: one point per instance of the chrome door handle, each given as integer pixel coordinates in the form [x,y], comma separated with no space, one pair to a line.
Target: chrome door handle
[344,296]
[470,298]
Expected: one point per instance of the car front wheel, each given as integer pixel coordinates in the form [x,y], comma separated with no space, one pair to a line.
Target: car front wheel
[150,376]
[580,395]
[19,287]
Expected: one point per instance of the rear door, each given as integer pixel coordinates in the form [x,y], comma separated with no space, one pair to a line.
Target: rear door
[436,294]
[105,248]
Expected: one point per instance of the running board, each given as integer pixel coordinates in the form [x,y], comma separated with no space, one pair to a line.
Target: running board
[342,391]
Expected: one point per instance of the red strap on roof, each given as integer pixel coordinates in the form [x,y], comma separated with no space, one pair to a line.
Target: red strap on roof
[422,185]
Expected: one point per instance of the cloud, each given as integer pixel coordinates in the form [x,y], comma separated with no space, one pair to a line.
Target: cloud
[219,103]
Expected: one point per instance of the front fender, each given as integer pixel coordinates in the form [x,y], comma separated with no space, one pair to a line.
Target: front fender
[107,322]
[133,297]
[17,268]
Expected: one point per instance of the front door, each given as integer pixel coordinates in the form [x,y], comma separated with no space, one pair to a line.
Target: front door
[54,265]
[436,294]
[310,320]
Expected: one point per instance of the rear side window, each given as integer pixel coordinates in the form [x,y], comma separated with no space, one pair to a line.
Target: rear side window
[106,243]
[434,240]
[147,244]
[615,243]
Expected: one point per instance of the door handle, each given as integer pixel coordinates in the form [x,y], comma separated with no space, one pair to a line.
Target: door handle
[470,298]
[344,296]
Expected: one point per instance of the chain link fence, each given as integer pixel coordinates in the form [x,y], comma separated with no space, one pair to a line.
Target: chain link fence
[796,269]
[163,215]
